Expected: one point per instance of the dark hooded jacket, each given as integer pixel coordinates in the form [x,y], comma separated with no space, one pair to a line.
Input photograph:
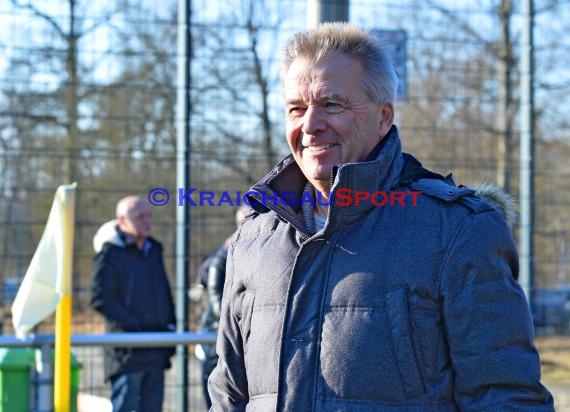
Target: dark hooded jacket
[412,307]
[131,290]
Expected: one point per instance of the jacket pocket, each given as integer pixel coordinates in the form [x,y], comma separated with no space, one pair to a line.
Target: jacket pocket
[245,315]
[261,352]
[401,330]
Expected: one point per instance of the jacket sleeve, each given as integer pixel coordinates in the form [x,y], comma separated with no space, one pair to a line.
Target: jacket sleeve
[488,321]
[171,327]
[215,288]
[227,384]
[168,303]
[106,295]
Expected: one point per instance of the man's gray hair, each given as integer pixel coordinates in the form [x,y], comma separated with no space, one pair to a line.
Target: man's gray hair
[126,204]
[328,39]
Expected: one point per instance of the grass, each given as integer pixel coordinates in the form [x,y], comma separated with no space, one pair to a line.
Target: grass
[555,358]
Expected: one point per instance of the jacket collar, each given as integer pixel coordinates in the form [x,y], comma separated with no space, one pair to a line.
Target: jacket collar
[109,232]
[381,174]
[286,181]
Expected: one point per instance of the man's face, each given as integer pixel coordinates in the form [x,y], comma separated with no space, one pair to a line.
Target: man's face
[330,120]
[138,221]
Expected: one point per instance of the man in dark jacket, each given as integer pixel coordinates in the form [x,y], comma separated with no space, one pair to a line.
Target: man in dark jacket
[131,291]
[364,282]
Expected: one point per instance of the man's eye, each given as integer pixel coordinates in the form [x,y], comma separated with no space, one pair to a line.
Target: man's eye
[296,111]
[334,107]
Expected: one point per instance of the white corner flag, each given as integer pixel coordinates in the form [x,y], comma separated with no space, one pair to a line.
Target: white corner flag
[49,275]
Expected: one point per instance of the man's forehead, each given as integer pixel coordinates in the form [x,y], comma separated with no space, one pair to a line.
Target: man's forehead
[317,88]
[309,78]
[140,209]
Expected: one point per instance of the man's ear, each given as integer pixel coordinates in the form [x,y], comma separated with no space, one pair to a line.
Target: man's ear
[386,118]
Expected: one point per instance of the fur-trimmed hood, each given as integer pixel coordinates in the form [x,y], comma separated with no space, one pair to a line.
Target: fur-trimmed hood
[500,200]
[107,233]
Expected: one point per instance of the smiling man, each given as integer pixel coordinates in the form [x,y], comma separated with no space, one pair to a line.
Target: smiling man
[363,308]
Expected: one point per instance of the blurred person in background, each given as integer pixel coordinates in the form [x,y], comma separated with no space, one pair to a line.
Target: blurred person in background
[212,275]
[130,289]
[334,304]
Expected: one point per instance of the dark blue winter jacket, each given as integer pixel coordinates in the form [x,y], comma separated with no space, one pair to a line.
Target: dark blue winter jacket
[131,290]
[401,307]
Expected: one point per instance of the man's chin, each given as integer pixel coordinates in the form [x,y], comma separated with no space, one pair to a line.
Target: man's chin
[322,173]
[144,234]
[321,181]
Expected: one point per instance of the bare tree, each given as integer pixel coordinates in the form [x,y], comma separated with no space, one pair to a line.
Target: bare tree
[70,85]
[500,50]
[237,55]
[48,116]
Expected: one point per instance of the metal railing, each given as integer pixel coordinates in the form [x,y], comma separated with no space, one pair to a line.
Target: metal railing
[43,343]
[135,339]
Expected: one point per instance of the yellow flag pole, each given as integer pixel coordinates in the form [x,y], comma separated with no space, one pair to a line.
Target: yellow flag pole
[62,381]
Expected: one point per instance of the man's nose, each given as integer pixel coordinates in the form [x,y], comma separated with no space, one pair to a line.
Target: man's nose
[313,120]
